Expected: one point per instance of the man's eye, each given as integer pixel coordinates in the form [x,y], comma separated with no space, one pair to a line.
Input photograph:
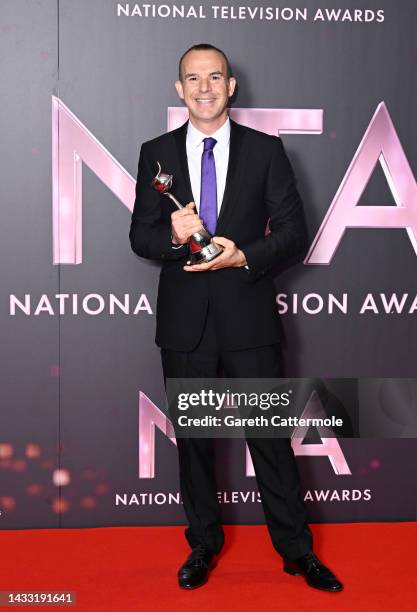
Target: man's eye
[192,78]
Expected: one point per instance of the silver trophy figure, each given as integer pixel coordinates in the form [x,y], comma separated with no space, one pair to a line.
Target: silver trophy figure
[202,247]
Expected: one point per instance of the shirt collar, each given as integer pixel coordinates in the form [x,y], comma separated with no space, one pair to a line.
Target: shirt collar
[195,137]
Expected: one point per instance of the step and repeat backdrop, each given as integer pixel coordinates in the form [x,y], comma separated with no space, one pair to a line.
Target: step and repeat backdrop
[84,439]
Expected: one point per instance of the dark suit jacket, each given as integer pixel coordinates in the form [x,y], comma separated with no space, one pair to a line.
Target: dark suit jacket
[260,185]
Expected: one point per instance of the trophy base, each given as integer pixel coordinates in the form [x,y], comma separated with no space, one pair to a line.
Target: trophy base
[206,254]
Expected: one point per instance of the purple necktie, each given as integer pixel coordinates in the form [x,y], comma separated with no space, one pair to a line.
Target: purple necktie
[208,194]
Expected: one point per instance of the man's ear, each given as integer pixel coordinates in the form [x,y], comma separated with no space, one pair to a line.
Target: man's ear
[179,88]
[232,86]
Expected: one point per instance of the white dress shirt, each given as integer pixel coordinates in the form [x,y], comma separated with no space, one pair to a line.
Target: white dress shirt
[195,147]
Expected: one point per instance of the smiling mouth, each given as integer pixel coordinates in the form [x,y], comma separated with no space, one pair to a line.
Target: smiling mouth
[205,100]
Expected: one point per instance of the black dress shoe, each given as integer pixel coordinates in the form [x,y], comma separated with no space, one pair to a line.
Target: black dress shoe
[196,569]
[316,574]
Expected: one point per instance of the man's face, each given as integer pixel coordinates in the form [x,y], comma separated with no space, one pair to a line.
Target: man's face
[205,88]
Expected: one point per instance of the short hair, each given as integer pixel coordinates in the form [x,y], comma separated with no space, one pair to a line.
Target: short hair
[205,47]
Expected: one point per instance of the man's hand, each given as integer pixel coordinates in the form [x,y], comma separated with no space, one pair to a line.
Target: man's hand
[232,257]
[184,223]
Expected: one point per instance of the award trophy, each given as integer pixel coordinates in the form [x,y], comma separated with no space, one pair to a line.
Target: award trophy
[202,247]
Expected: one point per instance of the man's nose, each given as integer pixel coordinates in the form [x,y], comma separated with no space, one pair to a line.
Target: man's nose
[204,85]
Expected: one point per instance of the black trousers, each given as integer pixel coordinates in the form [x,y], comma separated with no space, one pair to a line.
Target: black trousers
[273,458]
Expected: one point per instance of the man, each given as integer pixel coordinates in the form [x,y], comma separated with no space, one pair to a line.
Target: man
[223,314]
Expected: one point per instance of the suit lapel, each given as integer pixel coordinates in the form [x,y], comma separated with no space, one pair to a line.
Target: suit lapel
[180,136]
[235,170]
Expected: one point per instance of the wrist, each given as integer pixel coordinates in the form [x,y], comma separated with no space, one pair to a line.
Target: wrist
[242,259]
[176,240]
[175,244]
